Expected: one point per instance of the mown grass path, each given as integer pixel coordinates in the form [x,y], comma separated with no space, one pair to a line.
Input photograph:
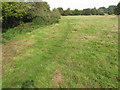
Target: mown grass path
[80,51]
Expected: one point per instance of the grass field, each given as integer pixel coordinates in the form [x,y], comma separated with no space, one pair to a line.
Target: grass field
[78,52]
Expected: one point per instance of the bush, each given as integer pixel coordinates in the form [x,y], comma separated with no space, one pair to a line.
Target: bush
[40,15]
[13,13]
[39,20]
[55,16]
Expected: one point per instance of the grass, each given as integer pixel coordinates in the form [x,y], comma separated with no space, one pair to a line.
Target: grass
[78,52]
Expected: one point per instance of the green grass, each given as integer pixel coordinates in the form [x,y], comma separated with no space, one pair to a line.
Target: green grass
[78,52]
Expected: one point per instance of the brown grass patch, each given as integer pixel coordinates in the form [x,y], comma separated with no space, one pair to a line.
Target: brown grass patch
[58,78]
[114,25]
[115,30]
[14,48]
[80,85]
[88,37]
[77,27]
[110,16]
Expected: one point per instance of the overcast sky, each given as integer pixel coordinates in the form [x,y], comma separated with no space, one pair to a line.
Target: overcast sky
[80,4]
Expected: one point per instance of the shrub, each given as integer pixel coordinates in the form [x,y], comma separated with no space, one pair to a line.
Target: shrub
[13,13]
[55,16]
[37,12]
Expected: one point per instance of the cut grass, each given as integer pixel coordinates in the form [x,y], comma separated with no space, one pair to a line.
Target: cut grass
[80,51]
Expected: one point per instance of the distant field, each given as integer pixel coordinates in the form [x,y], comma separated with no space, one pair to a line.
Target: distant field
[78,52]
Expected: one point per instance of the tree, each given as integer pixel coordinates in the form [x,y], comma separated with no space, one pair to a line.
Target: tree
[111,9]
[105,10]
[81,12]
[14,13]
[67,12]
[76,12]
[101,12]
[0,18]
[86,11]
[43,14]
[60,10]
[54,16]
[94,11]
[57,13]
[40,9]
[117,9]
[15,9]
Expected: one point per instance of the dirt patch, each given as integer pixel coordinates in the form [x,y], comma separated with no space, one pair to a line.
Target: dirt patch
[76,27]
[115,28]
[88,37]
[80,85]
[58,78]
[109,36]
[114,25]
[98,33]
[46,38]
[110,17]
[21,42]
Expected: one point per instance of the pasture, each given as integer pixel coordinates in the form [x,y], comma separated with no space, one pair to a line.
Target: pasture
[77,52]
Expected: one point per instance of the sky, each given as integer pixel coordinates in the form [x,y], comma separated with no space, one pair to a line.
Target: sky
[80,4]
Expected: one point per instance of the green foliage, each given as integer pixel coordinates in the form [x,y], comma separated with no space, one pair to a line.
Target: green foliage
[48,18]
[67,12]
[101,12]
[16,12]
[55,15]
[60,10]
[40,9]
[39,14]
[110,12]
[94,11]
[117,9]
[111,9]
[87,11]
[24,27]
[0,13]
[76,12]
[105,10]
[10,34]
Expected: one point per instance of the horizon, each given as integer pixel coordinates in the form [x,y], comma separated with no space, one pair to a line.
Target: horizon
[77,4]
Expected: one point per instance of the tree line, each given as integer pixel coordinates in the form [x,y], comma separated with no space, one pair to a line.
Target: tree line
[17,13]
[112,9]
